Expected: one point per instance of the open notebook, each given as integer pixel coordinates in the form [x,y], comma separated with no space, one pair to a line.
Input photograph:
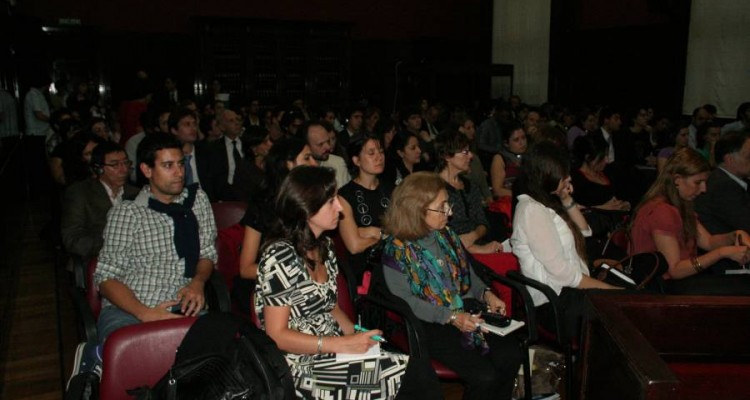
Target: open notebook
[504,330]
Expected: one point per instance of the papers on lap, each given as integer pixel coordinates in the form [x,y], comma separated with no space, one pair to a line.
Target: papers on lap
[374,351]
[502,331]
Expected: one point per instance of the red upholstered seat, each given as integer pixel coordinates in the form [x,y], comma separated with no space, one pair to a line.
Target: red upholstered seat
[228,213]
[139,355]
[228,244]
[722,380]
[500,263]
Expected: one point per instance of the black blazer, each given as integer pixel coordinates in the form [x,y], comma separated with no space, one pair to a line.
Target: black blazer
[219,171]
[725,206]
[202,155]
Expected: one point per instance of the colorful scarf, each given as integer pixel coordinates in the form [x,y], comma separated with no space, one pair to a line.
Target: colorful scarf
[427,279]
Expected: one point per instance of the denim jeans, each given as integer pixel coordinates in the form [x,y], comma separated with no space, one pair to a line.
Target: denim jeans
[111,319]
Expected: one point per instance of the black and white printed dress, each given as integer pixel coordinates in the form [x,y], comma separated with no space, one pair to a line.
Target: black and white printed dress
[283,280]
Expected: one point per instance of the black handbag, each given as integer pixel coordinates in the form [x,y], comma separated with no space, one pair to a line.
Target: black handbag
[639,271]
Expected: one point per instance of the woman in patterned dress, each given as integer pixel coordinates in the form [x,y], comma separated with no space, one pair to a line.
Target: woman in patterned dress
[296,298]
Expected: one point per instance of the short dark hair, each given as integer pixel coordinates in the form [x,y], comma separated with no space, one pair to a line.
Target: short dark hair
[447,144]
[742,109]
[730,143]
[99,154]
[178,115]
[304,130]
[606,113]
[150,144]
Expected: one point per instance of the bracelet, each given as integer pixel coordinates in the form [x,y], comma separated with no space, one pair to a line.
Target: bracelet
[569,206]
[453,318]
[320,344]
[696,264]
[484,293]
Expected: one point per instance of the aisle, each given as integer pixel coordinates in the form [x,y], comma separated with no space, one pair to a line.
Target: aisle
[29,345]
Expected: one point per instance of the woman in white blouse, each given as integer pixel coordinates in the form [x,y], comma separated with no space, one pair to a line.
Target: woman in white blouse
[548,234]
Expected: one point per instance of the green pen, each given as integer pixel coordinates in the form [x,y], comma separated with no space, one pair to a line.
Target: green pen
[376,338]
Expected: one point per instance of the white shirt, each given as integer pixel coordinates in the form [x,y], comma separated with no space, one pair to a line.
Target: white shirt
[131,149]
[611,153]
[735,126]
[230,157]
[114,198]
[545,248]
[692,136]
[735,178]
[35,101]
[339,166]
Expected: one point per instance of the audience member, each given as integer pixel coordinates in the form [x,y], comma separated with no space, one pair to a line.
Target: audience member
[725,206]
[588,124]
[86,203]
[318,138]
[402,158]
[159,249]
[425,263]
[226,156]
[548,236]
[708,134]
[282,158]
[364,201]
[469,220]
[677,139]
[700,117]
[183,125]
[743,120]
[507,163]
[354,121]
[665,221]
[478,176]
[296,300]
[249,180]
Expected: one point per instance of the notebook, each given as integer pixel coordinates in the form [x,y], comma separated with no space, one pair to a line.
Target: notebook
[504,330]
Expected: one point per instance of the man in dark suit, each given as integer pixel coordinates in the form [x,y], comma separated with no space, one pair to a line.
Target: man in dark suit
[226,156]
[183,125]
[621,158]
[725,206]
[87,202]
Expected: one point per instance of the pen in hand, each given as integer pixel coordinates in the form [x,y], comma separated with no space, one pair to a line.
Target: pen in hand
[376,338]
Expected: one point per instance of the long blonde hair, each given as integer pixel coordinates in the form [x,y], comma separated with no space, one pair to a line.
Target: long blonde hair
[684,162]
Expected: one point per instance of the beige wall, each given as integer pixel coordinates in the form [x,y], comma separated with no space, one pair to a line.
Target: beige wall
[718,56]
[520,36]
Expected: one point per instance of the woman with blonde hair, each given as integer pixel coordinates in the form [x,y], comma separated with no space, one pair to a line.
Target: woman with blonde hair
[425,264]
[665,221]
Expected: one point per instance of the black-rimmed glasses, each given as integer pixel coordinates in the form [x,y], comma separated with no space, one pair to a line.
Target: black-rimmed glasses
[115,164]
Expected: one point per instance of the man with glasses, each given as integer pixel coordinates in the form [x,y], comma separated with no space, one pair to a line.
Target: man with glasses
[87,202]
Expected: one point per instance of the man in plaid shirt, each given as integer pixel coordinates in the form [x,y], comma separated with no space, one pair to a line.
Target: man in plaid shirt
[158,250]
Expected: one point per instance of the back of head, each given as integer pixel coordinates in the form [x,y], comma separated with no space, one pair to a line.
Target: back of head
[589,148]
[741,110]
[730,143]
[282,152]
[153,143]
[404,219]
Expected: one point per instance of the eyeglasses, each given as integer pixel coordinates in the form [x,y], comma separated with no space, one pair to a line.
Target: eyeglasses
[447,209]
[115,164]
